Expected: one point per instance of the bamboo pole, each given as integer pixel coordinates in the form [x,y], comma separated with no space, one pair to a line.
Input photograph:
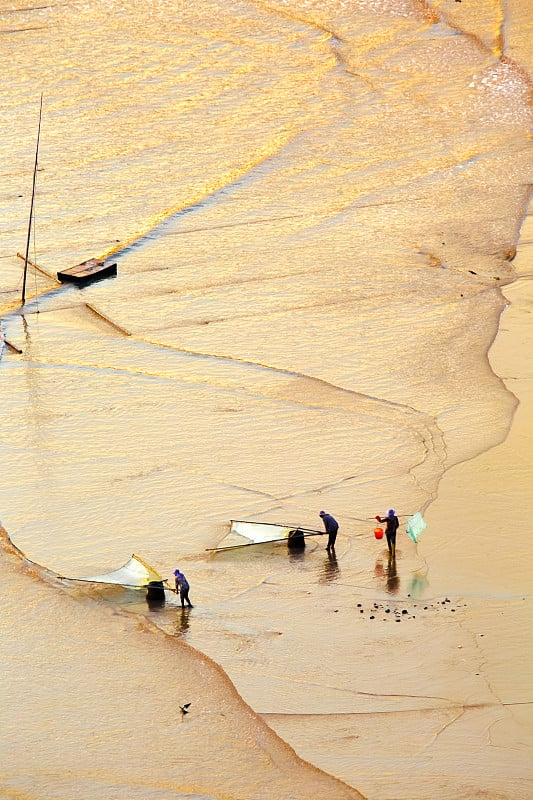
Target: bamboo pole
[31,206]
[12,346]
[106,319]
[38,268]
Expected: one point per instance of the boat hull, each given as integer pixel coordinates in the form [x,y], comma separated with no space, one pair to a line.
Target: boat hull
[88,271]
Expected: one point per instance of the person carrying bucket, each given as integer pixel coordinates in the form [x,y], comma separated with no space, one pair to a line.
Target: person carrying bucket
[390,532]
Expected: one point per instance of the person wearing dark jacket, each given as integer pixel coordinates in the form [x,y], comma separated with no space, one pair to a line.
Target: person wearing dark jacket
[182,588]
[332,526]
[390,531]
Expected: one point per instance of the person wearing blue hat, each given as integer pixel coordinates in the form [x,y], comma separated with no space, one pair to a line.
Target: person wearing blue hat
[390,532]
[182,588]
[332,526]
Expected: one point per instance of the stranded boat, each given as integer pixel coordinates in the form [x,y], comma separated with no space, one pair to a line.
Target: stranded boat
[88,271]
[94,269]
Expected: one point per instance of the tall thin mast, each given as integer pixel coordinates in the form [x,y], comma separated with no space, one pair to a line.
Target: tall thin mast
[31,206]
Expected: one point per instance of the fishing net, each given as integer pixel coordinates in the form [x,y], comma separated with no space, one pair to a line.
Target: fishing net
[415,526]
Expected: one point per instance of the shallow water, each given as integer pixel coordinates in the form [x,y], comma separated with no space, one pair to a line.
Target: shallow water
[312,207]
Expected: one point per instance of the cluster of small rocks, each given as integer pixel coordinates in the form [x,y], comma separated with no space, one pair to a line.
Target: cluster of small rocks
[398,613]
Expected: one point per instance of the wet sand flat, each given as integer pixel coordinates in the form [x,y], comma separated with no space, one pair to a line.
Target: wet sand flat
[475,733]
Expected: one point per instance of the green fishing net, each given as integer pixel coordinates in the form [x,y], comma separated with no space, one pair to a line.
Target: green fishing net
[415,526]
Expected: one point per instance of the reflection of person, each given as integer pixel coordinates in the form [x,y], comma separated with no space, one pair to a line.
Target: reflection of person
[390,532]
[182,622]
[332,526]
[330,570]
[388,575]
[393,581]
[182,588]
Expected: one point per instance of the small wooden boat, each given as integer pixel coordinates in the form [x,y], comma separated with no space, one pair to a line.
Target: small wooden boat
[88,271]
[92,270]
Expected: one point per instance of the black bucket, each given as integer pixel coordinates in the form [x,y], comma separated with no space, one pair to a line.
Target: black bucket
[155,594]
[296,540]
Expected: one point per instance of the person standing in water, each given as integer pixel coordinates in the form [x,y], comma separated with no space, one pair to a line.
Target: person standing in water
[332,526]
[390,532]
[182,588]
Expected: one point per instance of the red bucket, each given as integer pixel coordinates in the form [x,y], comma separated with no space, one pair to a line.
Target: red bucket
[378,533]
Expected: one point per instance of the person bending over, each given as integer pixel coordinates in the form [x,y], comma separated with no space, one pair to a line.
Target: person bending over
[182,588]
[332,526]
